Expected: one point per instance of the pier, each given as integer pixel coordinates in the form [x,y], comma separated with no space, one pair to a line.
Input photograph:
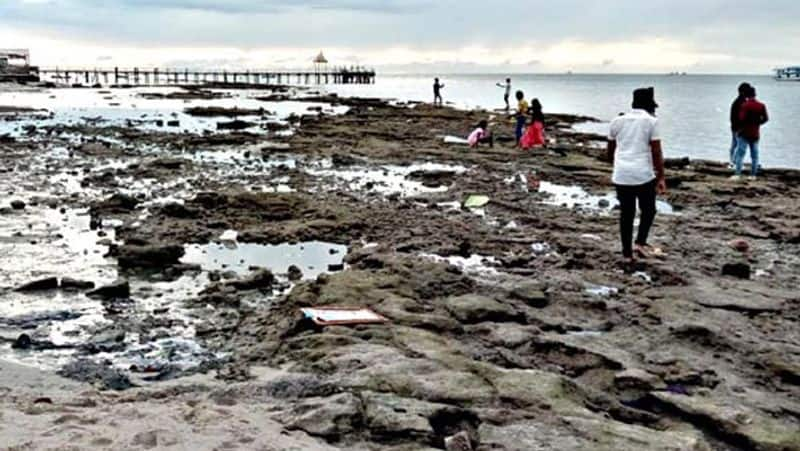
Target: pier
[160,77]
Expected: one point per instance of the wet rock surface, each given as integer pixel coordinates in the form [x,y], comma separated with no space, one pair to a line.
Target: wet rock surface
[511,326]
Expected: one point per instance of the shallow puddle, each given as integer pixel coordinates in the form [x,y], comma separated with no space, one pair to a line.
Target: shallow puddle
[575,197]
[386,179]
[313,258]
[134,108]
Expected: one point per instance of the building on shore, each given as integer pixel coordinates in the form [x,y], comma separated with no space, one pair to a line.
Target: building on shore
[15,66]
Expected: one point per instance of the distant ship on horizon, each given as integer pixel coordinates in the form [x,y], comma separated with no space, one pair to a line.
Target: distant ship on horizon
[791,73]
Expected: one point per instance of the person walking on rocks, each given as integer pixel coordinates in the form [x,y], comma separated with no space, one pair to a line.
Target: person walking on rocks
[506,92]
[634,148]
[736,107]
[437,92]
[752,115]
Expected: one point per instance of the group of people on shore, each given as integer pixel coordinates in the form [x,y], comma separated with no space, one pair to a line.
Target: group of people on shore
[529,119]
[634,150]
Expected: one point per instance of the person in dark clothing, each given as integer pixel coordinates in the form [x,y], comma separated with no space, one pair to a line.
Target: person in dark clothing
[752,115]
[634,148]
[735,122]
[437,92]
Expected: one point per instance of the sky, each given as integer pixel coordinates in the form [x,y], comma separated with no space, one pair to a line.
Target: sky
[414,36]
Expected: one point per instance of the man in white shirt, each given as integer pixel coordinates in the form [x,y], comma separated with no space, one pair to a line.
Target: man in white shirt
[506,92]
[634,147]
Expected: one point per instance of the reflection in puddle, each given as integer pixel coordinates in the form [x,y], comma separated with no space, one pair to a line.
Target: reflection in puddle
[129,108]
[46,242]
[313,258]
[578,198]
[387,179]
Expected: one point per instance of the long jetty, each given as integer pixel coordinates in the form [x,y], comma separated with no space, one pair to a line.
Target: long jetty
[156,76]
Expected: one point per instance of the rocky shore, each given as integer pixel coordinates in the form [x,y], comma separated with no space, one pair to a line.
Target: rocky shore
[512,326]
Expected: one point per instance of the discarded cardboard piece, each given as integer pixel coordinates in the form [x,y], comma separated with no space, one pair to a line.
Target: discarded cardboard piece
[332,316]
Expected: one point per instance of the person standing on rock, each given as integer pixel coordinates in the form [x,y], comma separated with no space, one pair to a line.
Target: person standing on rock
[506,92]
[534,134]
[634,148]
[437,92]
[736,107]
[752,115]
[521,116]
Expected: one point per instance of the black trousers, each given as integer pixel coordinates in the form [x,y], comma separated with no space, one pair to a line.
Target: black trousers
[627,196]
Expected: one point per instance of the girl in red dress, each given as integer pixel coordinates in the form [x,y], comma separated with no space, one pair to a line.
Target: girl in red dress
[534,134]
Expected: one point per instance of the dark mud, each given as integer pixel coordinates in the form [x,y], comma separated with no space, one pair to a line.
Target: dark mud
[513,324]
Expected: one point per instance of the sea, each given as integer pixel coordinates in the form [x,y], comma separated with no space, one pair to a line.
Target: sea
[694,109]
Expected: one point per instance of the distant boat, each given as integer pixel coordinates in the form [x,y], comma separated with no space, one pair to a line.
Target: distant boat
[788,73]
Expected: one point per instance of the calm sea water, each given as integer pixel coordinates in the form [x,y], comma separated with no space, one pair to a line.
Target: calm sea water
[694,108]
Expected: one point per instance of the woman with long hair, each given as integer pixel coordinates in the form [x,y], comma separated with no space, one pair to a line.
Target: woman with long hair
[534,134]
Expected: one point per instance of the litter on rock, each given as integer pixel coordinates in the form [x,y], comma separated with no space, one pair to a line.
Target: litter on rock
[455,140]
[476,201]
[331,316]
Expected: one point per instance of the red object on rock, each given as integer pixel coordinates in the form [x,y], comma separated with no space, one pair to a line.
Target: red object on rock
[740,245]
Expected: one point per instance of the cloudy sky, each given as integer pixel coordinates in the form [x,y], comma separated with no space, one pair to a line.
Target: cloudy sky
[708,36]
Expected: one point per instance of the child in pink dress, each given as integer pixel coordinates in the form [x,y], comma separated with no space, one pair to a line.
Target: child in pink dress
[481,135]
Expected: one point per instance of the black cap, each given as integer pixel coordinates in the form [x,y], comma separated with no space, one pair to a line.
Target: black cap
[644,98]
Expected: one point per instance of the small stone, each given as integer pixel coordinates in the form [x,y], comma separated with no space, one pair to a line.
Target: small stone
[638,379]
[261,279]
[22,342]
[336,267]
[120,289]
[458,442]
[49,283]
[74,284]
[295,273]
[531,294]
[740,245]
[149,256]
[739,270]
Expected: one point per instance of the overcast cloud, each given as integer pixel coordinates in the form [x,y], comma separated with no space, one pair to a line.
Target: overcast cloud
[458,35]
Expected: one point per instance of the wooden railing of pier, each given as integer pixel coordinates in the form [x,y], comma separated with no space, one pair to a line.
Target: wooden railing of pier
[155,76]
